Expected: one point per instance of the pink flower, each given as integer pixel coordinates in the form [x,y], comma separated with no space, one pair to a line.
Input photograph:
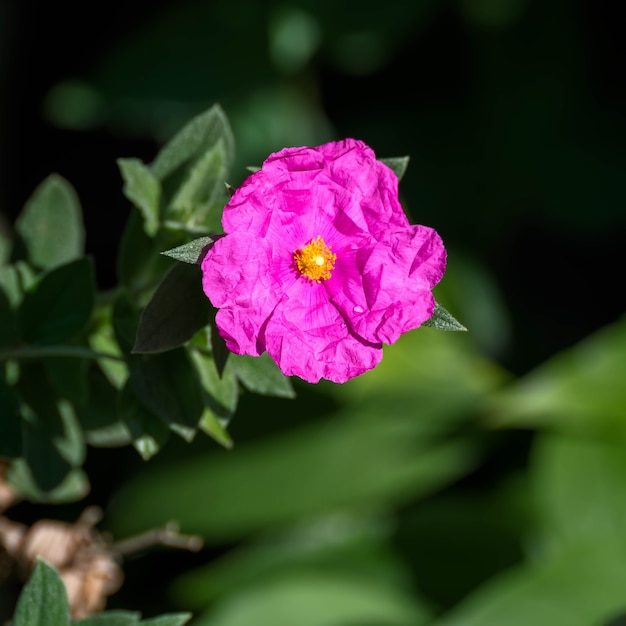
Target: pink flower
[319,265]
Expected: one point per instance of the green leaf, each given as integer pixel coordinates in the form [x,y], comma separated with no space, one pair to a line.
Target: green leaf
[15,280]
[262,375]
[72,488]
[442,320]
[191,252]
[109,618]
[220,392]
[215,428]
[578,391]
[6,246]
[201,196]
[51,225]
[43,601]
[148,432]
[9,335]
[59,305]
[579,586]
[177,311]
[173,619]
[397,164]
[10,422]
[100,419]
[194,139]
[143,189]
[166,385]
[68,377]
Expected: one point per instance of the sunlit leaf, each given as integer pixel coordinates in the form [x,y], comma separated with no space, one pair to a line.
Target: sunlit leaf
[190,252]
[143,189]
[442,320]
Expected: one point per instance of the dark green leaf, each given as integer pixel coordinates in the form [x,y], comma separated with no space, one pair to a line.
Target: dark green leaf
[148,432]
[143,189]
[51,224]
[9,335]
[73,487]
[109,618]
[191,252]
[5,248]
[262,375]
[68,377]
[10,422]
[178,309]
[166,384]
[43,601]
[218,347]
[194,139]
[397,164]
[59,305]
[442,320]
[135,257]
[100,420]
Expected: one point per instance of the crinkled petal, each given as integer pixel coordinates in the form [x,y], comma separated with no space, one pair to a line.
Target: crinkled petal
[237,279]
[384,290]
[307,337]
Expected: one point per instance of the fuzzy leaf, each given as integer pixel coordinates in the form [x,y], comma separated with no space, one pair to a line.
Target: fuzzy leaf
[173,619]
[51,224]
[442,320]
[59,305]
[143,189]
[43,601]
[202,132]
[178,309]
[191,252]
[397,164]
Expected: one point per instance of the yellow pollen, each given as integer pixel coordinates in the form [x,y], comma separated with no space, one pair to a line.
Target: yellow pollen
[315,260]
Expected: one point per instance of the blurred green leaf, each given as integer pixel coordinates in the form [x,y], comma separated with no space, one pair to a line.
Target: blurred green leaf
[580,390]
[43,601]
[399,165]
[579,586]
[317,600]
[166,385]
[195,138]
[337,462]
[148,432]
[578,485]
[442,320]
[215,428]
[6,246]
[261,375]
[143,189]
[73,487]
[190,252]
[178,309]
[59,305]
[51,224]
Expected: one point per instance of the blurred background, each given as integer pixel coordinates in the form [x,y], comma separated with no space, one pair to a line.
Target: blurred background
[393,499]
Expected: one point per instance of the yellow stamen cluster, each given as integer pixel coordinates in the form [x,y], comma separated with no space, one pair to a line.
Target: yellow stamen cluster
[315,260]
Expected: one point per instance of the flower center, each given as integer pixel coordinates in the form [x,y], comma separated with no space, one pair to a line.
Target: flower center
[315,260]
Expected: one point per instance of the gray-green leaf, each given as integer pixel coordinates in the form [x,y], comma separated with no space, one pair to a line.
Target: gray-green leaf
[397,164]
[190,252]
[51,224]
[143,189]
[442,320]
